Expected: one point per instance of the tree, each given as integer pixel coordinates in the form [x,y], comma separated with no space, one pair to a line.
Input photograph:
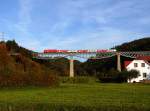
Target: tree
[117,77]
[132,74]
[136,45]
[20,70]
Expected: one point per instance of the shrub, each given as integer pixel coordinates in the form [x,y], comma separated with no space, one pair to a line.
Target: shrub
[109,76]
[116,76]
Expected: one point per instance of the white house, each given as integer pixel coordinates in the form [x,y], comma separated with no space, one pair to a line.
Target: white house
[142,65]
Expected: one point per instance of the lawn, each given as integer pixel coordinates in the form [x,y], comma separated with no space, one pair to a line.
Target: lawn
[97,96]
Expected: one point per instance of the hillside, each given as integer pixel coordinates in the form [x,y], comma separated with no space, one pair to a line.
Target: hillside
[136,45]
[13,47]
[58,66]
[19,70]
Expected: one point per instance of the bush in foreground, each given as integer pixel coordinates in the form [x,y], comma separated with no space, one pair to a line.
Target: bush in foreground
[116,76]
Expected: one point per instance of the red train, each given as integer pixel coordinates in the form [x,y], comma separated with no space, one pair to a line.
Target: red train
[50,50]
[83,51]
[105,51]
[54,51]
[76,51]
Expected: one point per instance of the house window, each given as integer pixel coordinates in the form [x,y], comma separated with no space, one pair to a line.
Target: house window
[144,75]
[142,64]
[135,64]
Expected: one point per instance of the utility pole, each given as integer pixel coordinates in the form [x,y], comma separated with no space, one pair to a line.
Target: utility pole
[71,67]
[118,62]
[2,37]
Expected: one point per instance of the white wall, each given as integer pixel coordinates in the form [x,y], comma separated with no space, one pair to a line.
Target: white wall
[141,70]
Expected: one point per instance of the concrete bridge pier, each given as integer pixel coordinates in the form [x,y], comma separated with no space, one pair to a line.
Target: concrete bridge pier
[71,67]
[118,62]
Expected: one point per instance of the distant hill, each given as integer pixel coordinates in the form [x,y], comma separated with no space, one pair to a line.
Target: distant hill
[136,45]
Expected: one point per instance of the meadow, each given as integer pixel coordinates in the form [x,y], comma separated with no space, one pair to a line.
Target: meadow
[77,97]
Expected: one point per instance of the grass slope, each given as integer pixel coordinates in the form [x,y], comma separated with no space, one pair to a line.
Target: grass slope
[75,97]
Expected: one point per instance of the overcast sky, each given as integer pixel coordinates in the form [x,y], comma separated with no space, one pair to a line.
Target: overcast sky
[74,24]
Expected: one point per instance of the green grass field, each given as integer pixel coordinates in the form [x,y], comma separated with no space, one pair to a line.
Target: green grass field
[75,97]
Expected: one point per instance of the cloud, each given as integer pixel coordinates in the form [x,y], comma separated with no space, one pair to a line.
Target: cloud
[24,16]
[89,12]
[22,27]
[77,24]
[144,20]
[96,39]
[93,24]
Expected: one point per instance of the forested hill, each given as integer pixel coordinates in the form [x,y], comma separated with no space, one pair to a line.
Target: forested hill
[21,70]
[58,67]
[136,45]
[13,47]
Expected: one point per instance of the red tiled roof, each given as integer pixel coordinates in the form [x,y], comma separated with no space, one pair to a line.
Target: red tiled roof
[126,63]
[146,58]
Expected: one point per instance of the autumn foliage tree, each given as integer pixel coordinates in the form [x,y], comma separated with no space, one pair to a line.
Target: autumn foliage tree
[19,71]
